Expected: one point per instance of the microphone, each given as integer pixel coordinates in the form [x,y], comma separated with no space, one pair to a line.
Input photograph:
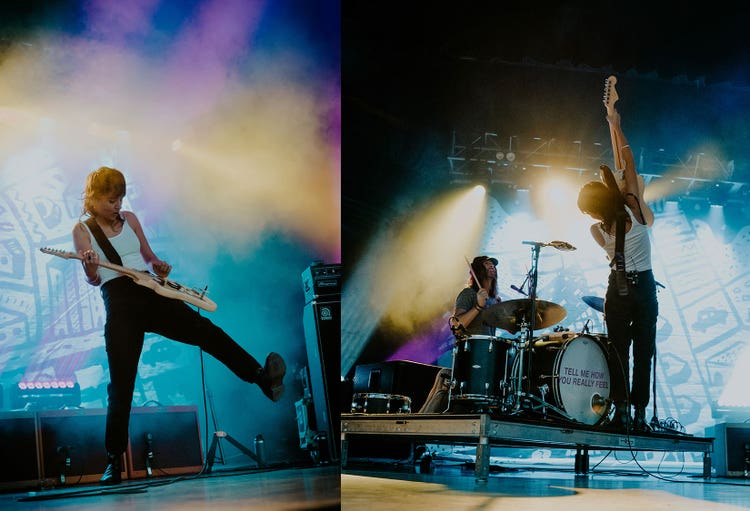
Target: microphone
[598,403]
[518,290]
[149,453]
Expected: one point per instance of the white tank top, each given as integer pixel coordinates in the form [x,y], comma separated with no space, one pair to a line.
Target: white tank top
[637,245]
[127,245]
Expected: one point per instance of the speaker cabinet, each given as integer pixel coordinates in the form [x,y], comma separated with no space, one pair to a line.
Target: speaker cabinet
[20,450]
[322,325]
[164,441]
[400,377]
[72,445]
[731,456]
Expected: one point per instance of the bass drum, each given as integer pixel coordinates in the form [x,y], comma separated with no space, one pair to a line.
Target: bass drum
[571,372]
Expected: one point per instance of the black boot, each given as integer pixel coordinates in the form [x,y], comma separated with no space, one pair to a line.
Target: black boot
[639,421]
[270,377]
[113,472]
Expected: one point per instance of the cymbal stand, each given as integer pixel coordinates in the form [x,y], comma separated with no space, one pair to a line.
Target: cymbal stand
[527,334]
[521,345]
[533,279]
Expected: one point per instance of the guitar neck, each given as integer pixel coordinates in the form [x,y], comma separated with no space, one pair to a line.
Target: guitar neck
[615,149]
[610,98]
[104,264]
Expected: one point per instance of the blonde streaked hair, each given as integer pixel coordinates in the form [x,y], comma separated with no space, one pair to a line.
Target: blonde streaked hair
[101,182]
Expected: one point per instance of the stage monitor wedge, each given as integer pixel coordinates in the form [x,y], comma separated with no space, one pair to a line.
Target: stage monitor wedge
[731,449]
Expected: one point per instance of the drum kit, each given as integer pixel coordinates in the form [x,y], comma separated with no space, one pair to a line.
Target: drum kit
[565,373]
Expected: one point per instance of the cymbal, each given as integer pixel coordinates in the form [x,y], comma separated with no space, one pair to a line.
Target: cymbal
[595,302]
[510,314]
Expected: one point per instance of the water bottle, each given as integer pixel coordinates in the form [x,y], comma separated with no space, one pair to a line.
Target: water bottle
[260,448]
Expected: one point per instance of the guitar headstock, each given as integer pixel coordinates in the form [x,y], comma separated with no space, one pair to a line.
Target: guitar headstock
[610,94]
[58,253]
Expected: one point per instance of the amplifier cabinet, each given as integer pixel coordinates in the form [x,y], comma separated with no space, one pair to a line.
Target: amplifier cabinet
[164,440]
[321,321]
[731,449]
[20,450]
[72,445]
[320,280]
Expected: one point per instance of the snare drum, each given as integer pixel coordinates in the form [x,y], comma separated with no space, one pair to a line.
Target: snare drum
[479,363]
[380,403]
[571,371]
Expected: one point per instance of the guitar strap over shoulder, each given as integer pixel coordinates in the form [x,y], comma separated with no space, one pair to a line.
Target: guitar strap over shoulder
[620,277]
[103,241]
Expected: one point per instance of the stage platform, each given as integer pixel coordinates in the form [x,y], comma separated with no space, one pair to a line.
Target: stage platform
[485,432]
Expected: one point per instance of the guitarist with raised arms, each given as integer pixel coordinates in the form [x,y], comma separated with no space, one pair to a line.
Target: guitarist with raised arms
[630,304]
[132,310]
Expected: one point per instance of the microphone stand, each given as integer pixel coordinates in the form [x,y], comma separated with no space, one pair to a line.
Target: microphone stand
[655,419]
[527,334]
[527,327]
[533,280]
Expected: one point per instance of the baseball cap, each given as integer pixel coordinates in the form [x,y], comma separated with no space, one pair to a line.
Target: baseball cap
[483,258]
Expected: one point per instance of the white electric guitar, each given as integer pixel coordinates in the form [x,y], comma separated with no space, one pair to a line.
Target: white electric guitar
[164,287]
[610,98]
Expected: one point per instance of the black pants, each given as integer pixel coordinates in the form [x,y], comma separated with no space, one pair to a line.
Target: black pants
[631,319]
[133,310]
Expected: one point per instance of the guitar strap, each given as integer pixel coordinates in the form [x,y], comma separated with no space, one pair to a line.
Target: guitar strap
[620,277]
[103,241]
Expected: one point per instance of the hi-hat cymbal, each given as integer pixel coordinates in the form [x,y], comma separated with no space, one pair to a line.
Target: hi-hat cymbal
[510,314]
[595,302]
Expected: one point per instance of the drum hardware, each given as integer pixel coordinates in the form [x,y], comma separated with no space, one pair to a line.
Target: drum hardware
[543,389]
[544,405]
[585,328]
[368,403]
[525,316]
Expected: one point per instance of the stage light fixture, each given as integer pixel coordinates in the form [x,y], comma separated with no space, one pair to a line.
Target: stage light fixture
[511,156]
[49,395]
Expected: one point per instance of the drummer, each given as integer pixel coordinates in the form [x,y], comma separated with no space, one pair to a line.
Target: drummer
[479,293]
[476,297]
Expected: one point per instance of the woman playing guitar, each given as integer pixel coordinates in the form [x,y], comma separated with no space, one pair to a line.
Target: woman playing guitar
[630,305]
[132,310]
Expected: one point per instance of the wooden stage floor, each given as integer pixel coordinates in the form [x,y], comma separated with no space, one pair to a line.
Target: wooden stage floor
[456,489]
[304,488]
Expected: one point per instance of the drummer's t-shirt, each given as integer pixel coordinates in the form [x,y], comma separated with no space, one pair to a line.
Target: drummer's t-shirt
[465,301]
